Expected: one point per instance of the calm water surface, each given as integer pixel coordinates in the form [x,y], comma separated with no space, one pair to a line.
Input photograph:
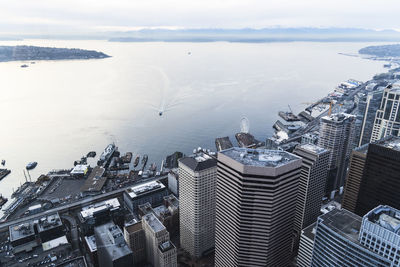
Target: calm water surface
[54,112]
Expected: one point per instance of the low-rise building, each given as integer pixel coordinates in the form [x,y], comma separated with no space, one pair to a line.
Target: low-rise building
[152,192]
[99,213]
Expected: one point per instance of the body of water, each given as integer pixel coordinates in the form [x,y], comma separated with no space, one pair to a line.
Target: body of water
[54,112]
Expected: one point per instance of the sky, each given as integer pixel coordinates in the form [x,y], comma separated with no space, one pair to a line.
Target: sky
[75,16]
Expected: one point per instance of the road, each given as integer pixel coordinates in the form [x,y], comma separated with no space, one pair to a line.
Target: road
[316,121]
[74,231]
[81,203]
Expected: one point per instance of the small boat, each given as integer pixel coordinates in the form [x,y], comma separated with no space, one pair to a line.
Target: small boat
[137,159]
[31,165]
[91,154]
[24,66]
[144,160]
[3,162]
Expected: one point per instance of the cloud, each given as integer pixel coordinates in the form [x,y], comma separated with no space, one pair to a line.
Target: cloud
[100,15]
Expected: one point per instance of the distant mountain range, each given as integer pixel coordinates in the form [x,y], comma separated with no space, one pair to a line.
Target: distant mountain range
[230,35]
[256,35]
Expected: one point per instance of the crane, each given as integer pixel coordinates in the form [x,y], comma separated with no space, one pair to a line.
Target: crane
[330,107]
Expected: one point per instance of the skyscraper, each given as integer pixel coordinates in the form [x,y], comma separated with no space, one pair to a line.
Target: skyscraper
[304,255]
[380,184]
[135,238]
[336,134]
[380,232]
[367,108]
[354,176]
[336,242]
[156,234]
[255,205]
[387,120]
[314,171]
[197,184]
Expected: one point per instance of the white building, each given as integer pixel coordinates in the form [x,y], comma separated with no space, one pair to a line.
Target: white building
[197,184]
[387,120]
[156,234]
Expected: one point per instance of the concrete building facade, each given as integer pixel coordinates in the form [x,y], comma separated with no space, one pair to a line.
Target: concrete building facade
[353,178]
[314,172]
[112,250]
[255,206]
[387,120]
[135,238]
[336,134]
[156,234]
[198,175]
[380,184]
[336,242]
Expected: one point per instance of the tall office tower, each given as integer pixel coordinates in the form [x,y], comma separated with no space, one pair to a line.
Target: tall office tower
[255,206]
[198,175]
[380,183]
[367,108]
[167,256]
[304,255]
[135,238]
[336,134]
[314,171]
[387,120]
[156,234]
[354,176]
[380,232]
[336,242]
[112,250]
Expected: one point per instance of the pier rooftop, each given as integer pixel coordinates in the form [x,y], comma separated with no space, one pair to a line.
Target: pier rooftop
[95,181]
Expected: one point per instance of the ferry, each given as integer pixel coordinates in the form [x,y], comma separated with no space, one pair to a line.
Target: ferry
[144,160]
[107,154]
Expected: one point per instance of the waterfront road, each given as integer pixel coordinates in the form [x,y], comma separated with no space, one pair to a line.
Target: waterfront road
[80,203]
[311,125]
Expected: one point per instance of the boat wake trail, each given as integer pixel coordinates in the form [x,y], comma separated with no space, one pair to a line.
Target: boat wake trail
[168,99]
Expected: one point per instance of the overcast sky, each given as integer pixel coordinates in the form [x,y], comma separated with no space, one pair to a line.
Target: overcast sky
[51,16]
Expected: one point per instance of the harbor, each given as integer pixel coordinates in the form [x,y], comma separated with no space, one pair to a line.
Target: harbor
[112,172]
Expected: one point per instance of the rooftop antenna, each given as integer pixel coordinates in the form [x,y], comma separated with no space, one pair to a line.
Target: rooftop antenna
[244,125]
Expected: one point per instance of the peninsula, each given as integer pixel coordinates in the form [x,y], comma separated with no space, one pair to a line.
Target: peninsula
[23,52]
